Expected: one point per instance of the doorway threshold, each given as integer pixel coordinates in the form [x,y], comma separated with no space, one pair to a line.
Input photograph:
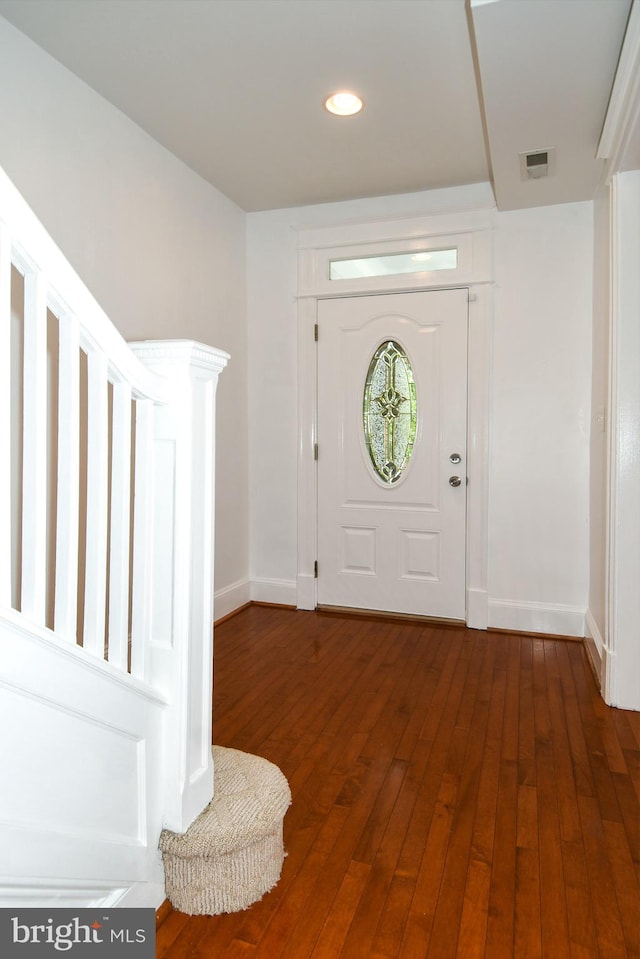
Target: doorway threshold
[416,618]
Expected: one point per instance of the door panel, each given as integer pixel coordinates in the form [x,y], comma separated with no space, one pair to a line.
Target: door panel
[396,544]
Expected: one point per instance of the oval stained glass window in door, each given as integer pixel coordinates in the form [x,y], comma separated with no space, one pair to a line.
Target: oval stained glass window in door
[390,411]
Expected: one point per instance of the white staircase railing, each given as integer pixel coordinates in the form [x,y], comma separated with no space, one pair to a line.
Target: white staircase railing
[106,584]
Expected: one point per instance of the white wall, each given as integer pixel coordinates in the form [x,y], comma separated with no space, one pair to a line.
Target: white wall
[539,432]
[539,470]
[161,250]
[598,496]
[621,685]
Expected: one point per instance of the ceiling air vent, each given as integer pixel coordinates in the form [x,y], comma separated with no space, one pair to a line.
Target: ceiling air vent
[537,164]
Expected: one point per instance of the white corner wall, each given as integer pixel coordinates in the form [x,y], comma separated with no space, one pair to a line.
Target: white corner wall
[541,408]
[621,679]
[540,421]
[162,251]
[596,618]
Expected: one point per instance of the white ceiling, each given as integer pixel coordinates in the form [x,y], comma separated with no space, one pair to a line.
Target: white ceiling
[235,88]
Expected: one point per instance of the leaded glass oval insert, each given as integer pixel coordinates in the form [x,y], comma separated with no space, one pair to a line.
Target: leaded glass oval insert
[390,411]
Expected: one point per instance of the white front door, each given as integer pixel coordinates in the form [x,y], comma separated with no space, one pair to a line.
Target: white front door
[392,399]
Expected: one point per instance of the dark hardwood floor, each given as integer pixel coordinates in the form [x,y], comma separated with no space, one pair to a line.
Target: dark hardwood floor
[456,793]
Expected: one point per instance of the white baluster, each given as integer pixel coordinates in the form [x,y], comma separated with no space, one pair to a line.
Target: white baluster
[142,541]
[34,449]
[66,599]
[97,501]
[5,416]
[120,515]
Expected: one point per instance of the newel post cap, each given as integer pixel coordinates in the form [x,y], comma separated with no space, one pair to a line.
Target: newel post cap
[187,356]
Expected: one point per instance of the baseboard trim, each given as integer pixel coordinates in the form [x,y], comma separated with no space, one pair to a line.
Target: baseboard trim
[594,646]
[263,605]
[279,592]
[595,660]
[545,619]
[548,618]
[562,637]
[406,618]
[253,602]
[231,598]
[234,612]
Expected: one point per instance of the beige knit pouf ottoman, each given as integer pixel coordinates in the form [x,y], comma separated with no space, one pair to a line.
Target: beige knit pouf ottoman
[232,854]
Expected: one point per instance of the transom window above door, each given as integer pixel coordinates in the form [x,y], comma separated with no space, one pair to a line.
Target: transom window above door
[418,261]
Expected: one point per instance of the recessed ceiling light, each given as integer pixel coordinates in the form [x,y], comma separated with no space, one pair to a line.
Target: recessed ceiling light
[343,104]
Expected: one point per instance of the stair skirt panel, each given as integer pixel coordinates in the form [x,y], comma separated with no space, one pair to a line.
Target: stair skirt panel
[82,766]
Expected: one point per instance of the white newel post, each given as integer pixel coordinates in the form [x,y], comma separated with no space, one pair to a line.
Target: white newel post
[179,658]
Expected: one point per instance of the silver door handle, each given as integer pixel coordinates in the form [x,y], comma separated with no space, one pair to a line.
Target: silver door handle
[454,481]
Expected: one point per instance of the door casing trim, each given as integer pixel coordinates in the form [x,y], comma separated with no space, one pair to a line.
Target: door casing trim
[314,249]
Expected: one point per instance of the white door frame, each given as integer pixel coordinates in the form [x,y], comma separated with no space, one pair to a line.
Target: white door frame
[471,234]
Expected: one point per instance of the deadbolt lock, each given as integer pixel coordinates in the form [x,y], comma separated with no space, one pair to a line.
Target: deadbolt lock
[455,458]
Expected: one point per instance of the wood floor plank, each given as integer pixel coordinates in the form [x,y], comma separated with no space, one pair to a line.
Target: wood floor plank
[361,932]
[390,927]
[582,932]
[502,896]
[475,908]
[625,881]
[186,942]
[455,794]
[437,732]
[553,909]
[433,650]
[218,936]
[475,716]
[238,949]
[418,927]
[627,726]
[295,904]
[169,932]
[526,755]
[338,923]
[528,919]
[629,804]
[578,746]
[376,827]
[604,902]
[564,782]
[328,880]
[401,888]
